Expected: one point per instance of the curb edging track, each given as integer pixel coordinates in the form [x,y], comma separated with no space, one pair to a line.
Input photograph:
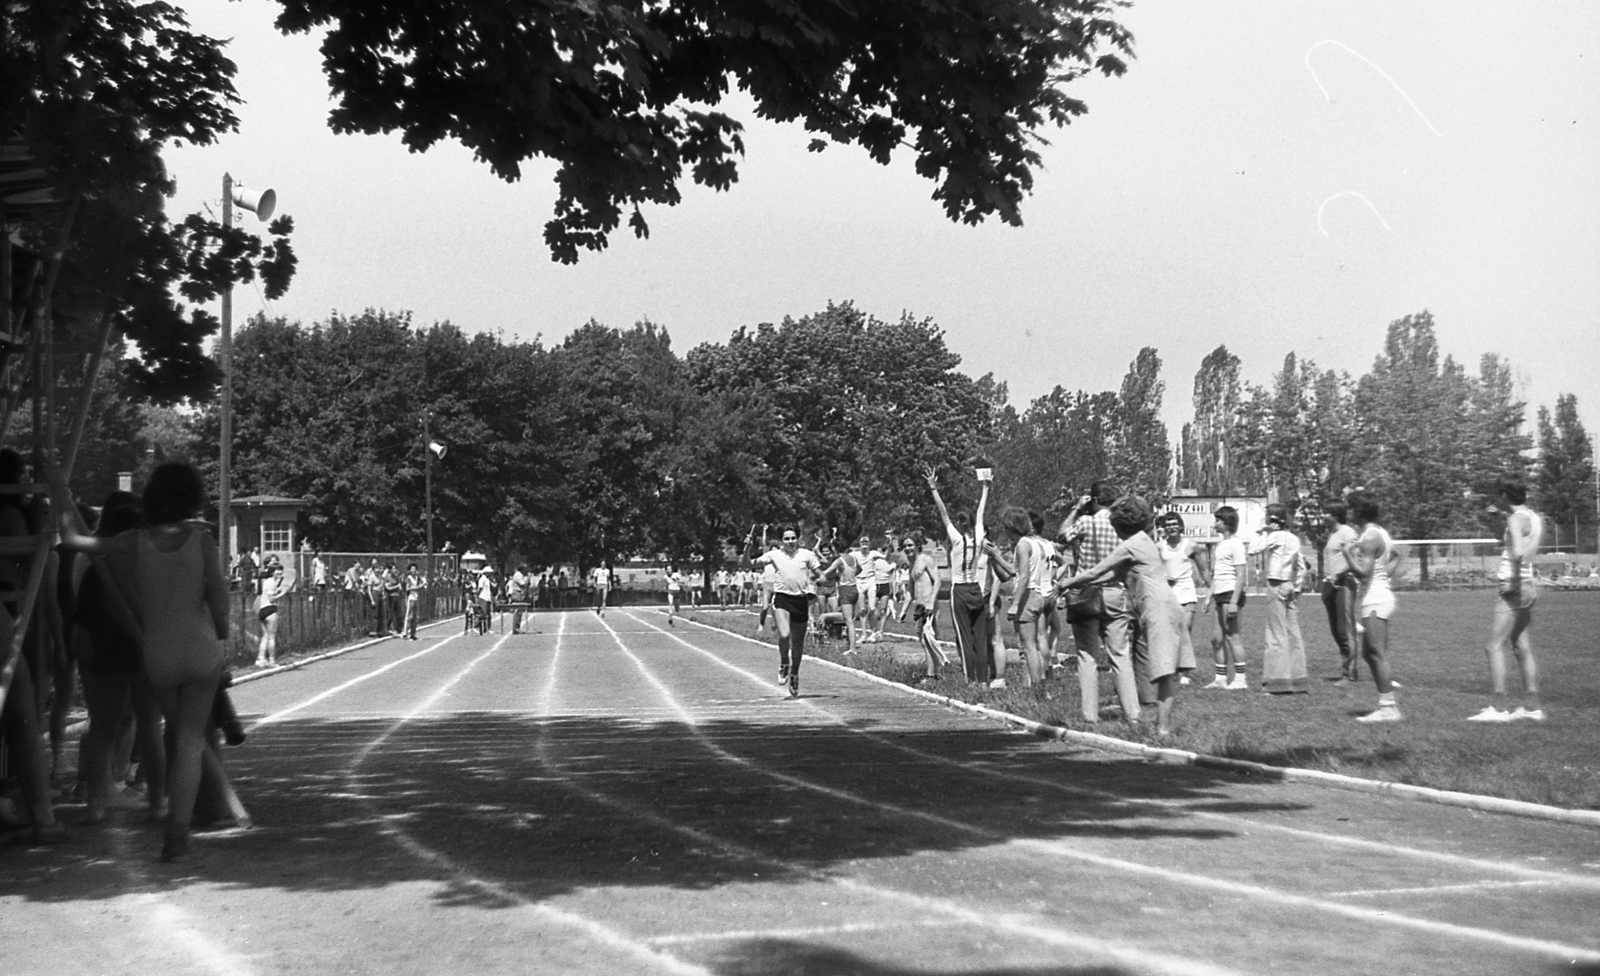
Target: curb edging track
[1471,801]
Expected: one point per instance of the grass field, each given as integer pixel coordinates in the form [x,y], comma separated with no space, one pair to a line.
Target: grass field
[1437,645]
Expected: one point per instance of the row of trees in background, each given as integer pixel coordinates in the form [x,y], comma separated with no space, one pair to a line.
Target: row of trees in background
[611,444]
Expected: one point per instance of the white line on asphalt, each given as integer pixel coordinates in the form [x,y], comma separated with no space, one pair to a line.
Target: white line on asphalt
[170,925]
[1062,849]
[1359,843]
[278,715]
[1028,926]
[1440,889]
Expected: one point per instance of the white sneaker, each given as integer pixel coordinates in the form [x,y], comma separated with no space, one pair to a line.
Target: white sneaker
[1238,683]
[1184,679]
[1531,714]
[1492,714]
[1384,713]
[1001,683]
[1219,683]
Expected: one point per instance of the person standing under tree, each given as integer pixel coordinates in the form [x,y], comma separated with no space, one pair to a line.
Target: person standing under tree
[601,578]
[414,584]
[795,570]
[1513,608]
[674,594]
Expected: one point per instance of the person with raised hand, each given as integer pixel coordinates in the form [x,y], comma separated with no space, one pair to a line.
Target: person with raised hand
[969,605]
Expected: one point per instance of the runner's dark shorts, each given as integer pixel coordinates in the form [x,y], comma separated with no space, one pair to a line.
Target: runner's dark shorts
[792,603]
[849,594]
[883,591]
[265,612]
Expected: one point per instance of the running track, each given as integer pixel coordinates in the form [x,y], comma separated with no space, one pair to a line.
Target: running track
[613,796]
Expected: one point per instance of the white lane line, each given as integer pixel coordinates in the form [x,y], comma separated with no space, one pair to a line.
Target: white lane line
[168,924]
[460,875]
[1182,806]
[1256,892]
[1029,926]
[336,689]
[174,926]
[1441,889]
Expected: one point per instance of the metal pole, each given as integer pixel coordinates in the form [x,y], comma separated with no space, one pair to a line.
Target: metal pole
[225,360]
[427,487]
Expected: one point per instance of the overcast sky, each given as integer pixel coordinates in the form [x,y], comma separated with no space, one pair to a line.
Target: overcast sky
[1271,176]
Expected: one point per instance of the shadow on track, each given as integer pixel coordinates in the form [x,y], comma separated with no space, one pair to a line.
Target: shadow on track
[542,807]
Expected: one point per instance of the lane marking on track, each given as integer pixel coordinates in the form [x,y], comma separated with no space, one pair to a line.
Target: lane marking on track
[460,875]
[1029,926]
[1063,849]
[1357,843]
[336,689]
[170,925]
[1441,889]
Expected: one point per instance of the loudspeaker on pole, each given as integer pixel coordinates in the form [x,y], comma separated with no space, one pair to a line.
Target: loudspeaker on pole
[261,204]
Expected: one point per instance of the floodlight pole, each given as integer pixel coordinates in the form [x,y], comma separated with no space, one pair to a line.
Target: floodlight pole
[225,360]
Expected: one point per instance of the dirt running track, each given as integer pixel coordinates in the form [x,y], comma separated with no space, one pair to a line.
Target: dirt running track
[613,796]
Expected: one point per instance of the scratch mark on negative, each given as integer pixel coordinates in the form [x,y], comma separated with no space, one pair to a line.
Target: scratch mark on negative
[1350,193]
[1369,62]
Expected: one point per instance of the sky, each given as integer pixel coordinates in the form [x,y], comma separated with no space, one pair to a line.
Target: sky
[1274,177]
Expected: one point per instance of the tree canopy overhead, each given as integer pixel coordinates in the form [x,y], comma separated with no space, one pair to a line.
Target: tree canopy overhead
[622,93]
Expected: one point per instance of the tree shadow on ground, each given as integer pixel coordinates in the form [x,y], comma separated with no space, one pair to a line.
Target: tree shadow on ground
[541,807]
[785,957]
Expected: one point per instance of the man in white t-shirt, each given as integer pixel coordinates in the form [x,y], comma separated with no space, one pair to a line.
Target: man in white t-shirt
[600,578]
[1230,571]
[1513,608]
[794,584]
[1185,564]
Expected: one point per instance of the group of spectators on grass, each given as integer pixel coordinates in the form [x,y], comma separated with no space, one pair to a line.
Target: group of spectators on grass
[1128,585]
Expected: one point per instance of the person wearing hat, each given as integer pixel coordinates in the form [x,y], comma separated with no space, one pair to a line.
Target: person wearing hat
[1136,563]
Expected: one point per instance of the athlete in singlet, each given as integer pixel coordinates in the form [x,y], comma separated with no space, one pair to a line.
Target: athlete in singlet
[1373,561]
[843,569]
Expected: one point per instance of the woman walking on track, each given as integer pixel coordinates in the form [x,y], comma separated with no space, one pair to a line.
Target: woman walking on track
[794,580]
[1373,561]
[674,594]
[181,597]
[969,607]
